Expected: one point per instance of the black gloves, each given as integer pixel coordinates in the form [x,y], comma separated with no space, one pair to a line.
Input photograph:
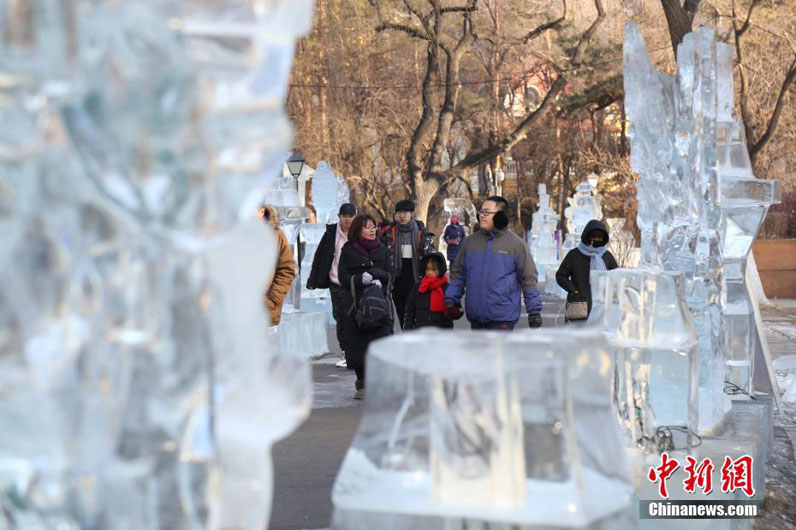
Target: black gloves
[534,320]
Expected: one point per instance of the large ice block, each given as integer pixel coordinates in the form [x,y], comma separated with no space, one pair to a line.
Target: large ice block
[542,237]
[485,428]
[650,328]
[700,206]
[139,387]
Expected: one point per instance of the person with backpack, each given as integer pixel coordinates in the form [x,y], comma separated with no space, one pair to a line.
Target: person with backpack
[408,241]
[426,304]
[454,235]
[590,254]
[364,263]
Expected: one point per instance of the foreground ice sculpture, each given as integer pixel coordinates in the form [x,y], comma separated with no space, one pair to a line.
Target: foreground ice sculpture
[655,345]
[700,207]
[543,234]
[138,386]
[495,429]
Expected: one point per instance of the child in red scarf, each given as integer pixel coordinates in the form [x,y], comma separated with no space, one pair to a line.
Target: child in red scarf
[426,305]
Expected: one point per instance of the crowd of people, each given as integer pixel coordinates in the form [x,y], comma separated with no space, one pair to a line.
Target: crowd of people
[378,272]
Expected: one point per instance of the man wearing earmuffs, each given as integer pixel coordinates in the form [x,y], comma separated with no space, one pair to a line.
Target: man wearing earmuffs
[497,270]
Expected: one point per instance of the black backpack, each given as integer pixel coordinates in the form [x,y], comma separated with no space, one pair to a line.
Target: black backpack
[373,310]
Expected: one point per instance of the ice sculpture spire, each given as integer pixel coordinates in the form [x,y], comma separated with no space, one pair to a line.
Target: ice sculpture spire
[698,209]
[133,345]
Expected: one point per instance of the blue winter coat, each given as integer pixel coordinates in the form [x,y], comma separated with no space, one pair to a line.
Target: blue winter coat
[454,232]
[498,271]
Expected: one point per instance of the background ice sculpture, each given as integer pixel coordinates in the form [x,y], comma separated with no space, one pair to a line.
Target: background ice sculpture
[515,429]
[584,206]
[542,237]
[655,346]
[699,204]
[139,388]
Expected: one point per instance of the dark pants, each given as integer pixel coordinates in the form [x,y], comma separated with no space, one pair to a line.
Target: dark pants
[338,312]
[400,294]
[502,326]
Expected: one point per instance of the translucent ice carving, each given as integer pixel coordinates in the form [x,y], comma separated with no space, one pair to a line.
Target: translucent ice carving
[139,389]
[485,428]
[699,205]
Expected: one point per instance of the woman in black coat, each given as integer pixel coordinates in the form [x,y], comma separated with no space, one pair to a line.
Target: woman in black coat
[590,254]
[365,260]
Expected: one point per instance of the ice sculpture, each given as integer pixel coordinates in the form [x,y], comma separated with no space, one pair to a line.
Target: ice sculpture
[325,194]
[543,233]
[492,429]
[138,386]
[699,205]
[655,345]
[584,206]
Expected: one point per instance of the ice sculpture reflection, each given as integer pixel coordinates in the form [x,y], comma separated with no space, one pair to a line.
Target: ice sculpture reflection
[486,428]
[133,349]
[699,205]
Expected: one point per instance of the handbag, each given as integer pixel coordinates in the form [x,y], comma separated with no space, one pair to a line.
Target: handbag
[577,310]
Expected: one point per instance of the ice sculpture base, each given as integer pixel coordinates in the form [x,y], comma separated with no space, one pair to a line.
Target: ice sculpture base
[371,502]
[551,286]
[747,430]
[302,334]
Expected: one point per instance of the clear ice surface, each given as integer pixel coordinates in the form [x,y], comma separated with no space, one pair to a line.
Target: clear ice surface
[492,428]
[133,342]
[700,206]
[644,315]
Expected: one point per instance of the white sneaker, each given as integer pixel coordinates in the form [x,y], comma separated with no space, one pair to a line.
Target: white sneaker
[341,363]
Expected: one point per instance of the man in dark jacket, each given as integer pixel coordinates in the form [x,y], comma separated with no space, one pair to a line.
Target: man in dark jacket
[496,268]
[408,241]
[590,254]
[323,274]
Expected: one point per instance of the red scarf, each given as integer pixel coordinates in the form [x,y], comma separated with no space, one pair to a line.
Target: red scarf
[437,294]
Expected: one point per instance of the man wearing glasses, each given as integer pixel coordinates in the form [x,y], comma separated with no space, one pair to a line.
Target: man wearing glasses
[497,270]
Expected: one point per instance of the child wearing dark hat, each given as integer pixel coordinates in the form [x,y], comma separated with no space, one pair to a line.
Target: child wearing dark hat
[425,306]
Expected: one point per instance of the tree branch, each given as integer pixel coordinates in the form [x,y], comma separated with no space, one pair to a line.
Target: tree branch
[690,7]
[745,26]
[678,21]
[517,135]
[586,37]
[412,32]
[772,123]
[544,27]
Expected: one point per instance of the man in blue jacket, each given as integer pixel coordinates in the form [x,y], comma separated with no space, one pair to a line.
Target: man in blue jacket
[496,268]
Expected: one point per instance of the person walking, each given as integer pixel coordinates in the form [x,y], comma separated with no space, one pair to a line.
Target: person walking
[426,304]
[454,235]
[590,254]
[323,274]
[496,269]
[408,241]
[364,261]
[285,270]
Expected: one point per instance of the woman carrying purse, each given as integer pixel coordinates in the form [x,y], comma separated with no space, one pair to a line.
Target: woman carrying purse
[573,274]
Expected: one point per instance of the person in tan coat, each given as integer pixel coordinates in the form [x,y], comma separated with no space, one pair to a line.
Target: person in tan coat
[285,270]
